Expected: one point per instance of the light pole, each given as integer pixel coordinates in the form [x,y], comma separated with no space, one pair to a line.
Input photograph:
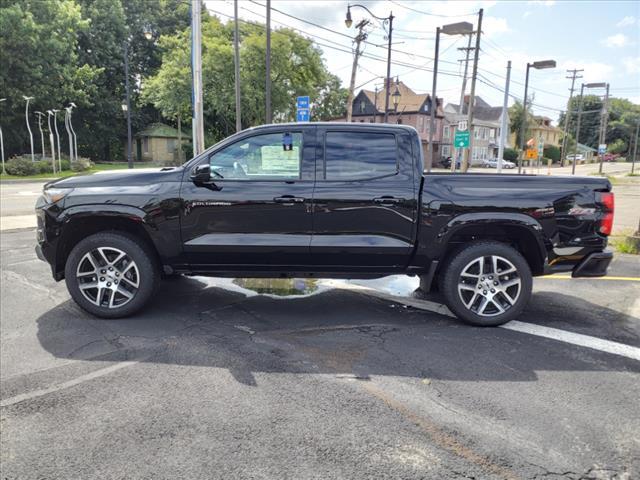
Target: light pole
[55,124]
[73,132]
[67,114]
[4,172]
[575,148]
[40,115]
[460,28]
[51,142]
[523,128]
[26,118]
[385,20]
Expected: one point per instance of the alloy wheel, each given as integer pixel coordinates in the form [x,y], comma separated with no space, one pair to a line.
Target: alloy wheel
[489,285]
[108,277]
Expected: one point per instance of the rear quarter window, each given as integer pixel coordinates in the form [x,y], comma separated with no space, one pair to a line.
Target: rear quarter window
[360,155]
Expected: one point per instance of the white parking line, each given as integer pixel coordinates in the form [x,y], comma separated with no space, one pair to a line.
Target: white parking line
[71,383]
[578,339]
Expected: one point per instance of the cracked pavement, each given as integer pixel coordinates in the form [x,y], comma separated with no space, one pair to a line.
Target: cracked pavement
[337,384]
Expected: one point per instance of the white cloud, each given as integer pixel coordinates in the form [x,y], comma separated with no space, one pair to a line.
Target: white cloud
[632,65]
[617,40]
[526,14]
[546,3]
[493,26]
[626,21]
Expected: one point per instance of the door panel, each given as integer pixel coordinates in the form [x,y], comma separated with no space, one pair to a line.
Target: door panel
[363,223]
[259,215]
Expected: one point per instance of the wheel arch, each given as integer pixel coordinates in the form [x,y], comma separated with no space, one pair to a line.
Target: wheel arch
[517,230]
[79,224]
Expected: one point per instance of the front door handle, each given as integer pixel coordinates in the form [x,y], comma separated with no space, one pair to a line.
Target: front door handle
[387,200]
[288,199]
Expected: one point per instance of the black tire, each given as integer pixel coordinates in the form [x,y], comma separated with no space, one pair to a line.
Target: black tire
[147,274]
[466,302]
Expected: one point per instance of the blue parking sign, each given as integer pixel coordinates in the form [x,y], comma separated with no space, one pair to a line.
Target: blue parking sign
[302,115]
[303,102]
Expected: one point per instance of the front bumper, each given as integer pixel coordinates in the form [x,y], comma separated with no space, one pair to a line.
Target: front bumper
[593,265]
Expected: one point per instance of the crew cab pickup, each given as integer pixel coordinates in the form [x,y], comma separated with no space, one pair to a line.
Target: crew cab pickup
[328,200]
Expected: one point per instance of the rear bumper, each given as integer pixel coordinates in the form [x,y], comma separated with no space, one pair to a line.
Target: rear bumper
[593,265]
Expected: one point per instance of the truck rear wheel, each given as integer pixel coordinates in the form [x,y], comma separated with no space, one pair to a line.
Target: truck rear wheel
[111,275]
[487,283]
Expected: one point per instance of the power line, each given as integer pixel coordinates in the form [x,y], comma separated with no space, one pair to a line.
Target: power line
[432,14]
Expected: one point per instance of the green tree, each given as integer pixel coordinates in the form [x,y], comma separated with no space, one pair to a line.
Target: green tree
[40,58]
[617,146]
[552,152]
[515,120]
[589,122]
[331,102]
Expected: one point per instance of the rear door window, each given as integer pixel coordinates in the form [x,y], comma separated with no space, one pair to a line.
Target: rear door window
[360,155]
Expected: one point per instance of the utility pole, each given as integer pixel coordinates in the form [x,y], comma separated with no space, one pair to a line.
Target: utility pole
[472,93]
[503,120]
[604,120]
[236,50]
[574,76]
[268,67]
[360,37]
[468,51]
[575,149]
[434,104]
[40,115]
[635,151]
[127,104]
[196,69]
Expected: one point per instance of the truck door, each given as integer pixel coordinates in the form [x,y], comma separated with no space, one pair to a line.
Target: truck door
[364,206]
[255,213]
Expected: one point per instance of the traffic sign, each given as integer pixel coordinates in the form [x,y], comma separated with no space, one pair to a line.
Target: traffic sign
[532,154]
[461,139]
[602,149]
[303,102]
[302,115]
[462,125]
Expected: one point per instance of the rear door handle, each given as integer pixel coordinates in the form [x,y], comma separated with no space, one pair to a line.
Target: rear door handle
[387,200]
[288,199]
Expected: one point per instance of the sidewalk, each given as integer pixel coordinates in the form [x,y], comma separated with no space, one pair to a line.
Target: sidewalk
[17,222]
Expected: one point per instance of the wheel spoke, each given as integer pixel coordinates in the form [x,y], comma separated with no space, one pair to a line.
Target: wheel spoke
[494,263]
[104,256]
[86,274]
[466,286]
[497,305]
[124,292]
[88,286]
[130,282]
[473,299]
[483,305]
[510,283]
[120,256]
[112,296]
[508,297]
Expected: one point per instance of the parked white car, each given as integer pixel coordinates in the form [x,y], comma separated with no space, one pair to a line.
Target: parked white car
[493,163]
[579,157]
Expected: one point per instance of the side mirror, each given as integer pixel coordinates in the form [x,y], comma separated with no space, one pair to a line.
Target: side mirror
[201,174]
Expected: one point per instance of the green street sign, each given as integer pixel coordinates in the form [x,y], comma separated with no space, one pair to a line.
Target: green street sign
[461,139]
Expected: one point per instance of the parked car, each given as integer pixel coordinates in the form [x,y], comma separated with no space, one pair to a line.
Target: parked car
[446,163]
[337,200]
[578,157]
[493,163]
[610,157]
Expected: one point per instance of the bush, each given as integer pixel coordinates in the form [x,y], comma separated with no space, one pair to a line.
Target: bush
[510,154]
[44,166]
[552,152]
[21,166]
[65,164]
[81,165]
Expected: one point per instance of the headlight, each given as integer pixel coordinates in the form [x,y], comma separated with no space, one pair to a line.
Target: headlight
[53,195]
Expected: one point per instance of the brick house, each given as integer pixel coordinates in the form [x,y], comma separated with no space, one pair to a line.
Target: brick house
[486,129]
[412,109]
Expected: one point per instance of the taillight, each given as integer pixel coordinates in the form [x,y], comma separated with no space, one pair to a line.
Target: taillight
[607,202]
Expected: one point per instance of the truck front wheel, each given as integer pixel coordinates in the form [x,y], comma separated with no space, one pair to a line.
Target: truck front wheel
[487,283]
[111,274]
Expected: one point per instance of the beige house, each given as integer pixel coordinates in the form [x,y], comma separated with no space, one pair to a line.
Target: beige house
[540,128]
[159,143]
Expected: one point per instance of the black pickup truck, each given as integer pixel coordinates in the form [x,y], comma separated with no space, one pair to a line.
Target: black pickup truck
[327,200]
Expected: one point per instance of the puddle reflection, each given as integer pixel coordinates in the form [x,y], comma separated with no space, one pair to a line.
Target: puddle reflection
[398,285]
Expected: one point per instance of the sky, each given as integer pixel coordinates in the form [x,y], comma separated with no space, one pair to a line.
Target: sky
[600,37]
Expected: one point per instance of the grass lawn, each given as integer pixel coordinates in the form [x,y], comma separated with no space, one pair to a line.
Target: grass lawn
[98,167]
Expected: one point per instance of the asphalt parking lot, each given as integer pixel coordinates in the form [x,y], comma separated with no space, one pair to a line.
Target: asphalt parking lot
[245,379]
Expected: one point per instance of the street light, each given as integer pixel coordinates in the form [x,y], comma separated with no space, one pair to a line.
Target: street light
[541,65]
[26,119]
[40,115]
[4,172]
[459,28]
[51,142]
[55,124]
[73,132]
[396,98]
[575,148]
[386,20]
[67,114]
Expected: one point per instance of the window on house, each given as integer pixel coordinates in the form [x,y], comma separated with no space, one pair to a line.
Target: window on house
[476,133]
[171,145]
[359,155]
[399,121]
[419,123]
[145,144]
[446,132]
[363,106]
[271,156]
[446,151]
